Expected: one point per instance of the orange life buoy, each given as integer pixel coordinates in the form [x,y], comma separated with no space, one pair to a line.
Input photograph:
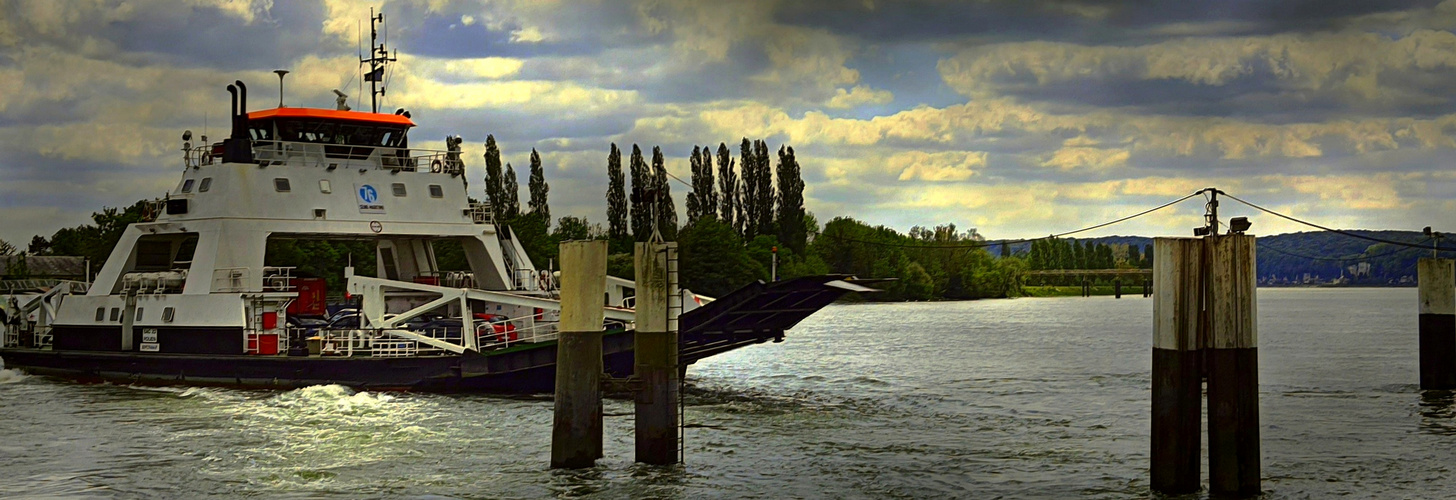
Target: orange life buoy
[436,167]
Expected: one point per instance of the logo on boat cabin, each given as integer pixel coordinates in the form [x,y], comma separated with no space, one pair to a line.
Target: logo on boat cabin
[368,199]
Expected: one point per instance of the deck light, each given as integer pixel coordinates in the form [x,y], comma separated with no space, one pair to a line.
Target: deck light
[1238,225]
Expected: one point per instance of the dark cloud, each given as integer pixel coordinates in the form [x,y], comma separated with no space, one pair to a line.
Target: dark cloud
[1080,21]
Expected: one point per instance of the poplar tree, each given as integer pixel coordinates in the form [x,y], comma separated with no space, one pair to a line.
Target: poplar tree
[703,200]
[616,197]
[791,202]
[764,177]
[539,188]
[747,219]
[641,211]
[493,190]
[666,210]
[727,187]
[694,207]
[510,193]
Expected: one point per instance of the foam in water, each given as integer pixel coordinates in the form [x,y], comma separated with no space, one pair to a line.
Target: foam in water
[11,376]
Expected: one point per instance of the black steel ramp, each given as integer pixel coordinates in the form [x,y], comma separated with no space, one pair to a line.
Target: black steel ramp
[757,313]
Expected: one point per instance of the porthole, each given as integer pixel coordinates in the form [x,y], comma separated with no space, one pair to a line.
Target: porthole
[138,316]
[281,185]
[436,191]
[398,188]
[101,314]
[187,185]
[116,314]
[206,184]
[168,313]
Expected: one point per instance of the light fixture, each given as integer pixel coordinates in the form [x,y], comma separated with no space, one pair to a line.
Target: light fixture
[1200,231]
[1238,225]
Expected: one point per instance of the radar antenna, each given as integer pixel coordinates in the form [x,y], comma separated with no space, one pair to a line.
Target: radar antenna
[379,57]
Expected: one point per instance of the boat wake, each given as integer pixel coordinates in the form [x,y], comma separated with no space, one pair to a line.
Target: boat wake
[11,376]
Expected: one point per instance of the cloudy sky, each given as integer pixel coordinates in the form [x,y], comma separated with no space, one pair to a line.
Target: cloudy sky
[1018,118]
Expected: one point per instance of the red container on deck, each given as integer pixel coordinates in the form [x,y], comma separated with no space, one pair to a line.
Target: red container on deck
[268,344]
[428,280]
[311,297]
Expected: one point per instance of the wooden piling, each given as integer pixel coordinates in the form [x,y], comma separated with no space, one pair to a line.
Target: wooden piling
[576,433]
[656,353]
[1437,282]
[1177,379]
[1117,288]
[1233,366]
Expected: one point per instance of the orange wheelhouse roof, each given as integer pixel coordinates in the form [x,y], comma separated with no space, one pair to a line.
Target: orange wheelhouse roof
[330,114]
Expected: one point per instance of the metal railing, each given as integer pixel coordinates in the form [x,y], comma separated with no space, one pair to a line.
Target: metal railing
[341,156]
[238,279]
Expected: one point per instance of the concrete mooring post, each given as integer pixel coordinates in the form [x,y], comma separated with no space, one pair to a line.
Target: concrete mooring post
[1437,278]
[1205,321]
[656,353]
[576,431]
[1177,377]
[1233,366]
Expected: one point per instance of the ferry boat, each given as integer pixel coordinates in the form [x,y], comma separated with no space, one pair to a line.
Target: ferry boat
[187,298]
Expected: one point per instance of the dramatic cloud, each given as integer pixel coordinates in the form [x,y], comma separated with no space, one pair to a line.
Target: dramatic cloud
[1017,118]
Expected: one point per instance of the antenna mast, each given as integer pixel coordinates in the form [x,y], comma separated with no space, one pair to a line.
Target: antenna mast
[379,57]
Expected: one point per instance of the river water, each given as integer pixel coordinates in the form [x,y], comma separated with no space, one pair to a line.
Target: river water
[1025,398]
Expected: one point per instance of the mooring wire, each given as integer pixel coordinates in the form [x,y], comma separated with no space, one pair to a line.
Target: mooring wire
[988,243]
[1338,231]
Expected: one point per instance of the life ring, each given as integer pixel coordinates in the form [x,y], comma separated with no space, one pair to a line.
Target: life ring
[206,158]
[436,166]
[542,280]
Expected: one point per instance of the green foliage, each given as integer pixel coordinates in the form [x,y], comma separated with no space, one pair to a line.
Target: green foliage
[713,260]
[95,242]
[790,218]
[530,230]
[577,228]
[17,268]
[927,263]
[510,195]
[6,248]
[617,203]
[703,200]
[641,209]
[538,187]
[728,188]
[493,190]
[666,210]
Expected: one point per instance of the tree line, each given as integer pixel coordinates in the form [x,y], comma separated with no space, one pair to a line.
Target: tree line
[744,218]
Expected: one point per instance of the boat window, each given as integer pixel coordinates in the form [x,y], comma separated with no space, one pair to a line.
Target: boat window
[306,131]
[281,185]
[324,186]
[153,253]
[206,184]
[398,188]
[168,313]
[187,185]
[101,314]
[261,130]
[115,313]
[138,316]
[436,191]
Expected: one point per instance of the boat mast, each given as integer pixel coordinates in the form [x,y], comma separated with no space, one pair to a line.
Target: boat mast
[379,57]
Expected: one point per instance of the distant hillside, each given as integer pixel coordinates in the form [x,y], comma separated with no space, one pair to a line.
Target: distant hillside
[1322,255]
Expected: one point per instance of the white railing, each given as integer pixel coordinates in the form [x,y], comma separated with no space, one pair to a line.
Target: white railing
[533,281]
[479,213]
[239,279]
[341,156]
